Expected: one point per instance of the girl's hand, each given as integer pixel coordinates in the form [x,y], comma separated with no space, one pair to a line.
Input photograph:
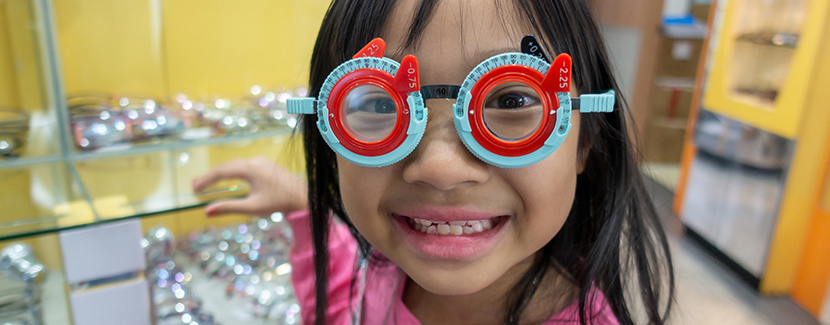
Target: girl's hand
[273,188]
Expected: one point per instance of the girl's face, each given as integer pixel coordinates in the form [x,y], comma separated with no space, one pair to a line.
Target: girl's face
[441,181]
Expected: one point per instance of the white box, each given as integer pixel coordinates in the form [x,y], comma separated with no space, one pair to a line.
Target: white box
[122,303]
[102,251]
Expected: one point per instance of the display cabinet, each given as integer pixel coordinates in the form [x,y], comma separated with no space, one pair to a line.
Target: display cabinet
[756,148]
[764,61]
[108,110]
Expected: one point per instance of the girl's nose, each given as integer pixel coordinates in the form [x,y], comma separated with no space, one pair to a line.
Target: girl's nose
[441,160]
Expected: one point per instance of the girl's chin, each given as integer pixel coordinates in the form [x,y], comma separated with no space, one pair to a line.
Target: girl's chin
[448,285]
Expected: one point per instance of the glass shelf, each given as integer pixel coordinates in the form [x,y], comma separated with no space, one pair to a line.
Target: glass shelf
[32,218]
[785,40]
[127,149]
[95,188]
[40,197]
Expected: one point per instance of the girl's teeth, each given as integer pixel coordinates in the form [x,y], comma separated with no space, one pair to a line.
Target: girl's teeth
[452,227]
[487,224]
[444,229]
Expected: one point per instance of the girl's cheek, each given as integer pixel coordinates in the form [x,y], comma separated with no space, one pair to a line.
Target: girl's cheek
[361,189]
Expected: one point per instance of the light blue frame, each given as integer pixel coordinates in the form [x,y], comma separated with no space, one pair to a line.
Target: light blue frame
[462,111]
[418,118]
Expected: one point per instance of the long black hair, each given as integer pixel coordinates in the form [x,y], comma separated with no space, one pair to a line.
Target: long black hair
[612,239]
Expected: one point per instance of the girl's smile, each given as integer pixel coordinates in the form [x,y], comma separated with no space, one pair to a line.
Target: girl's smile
[453,234]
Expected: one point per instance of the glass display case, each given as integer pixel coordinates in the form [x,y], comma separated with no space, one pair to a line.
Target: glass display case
[101,120]
[763,57]
[753,163]
[766,35]
[108,110]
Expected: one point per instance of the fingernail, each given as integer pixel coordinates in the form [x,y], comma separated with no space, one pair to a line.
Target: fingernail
[210,211]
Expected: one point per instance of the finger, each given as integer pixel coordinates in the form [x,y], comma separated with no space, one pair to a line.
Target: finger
[242,206]
[232,169]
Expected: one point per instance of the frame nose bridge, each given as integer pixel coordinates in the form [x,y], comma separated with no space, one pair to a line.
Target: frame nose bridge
[440,91]
[441,120]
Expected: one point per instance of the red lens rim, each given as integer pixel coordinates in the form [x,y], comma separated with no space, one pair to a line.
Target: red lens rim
[492,79]
[338,93]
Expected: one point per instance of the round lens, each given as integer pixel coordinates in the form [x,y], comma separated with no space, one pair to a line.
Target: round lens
[512,111]
[369,113]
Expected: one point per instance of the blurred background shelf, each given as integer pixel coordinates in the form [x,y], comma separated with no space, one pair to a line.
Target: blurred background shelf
[129,150]
[89,189]
[770,39]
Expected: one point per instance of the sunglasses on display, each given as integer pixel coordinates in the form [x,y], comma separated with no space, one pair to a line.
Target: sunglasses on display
[100,120]
[21,280]
[14,125]
[512,110]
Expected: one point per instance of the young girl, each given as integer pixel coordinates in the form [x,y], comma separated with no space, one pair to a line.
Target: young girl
[540,217]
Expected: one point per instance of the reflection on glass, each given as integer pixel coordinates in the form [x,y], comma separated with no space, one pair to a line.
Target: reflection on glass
[369,113]
[512,111]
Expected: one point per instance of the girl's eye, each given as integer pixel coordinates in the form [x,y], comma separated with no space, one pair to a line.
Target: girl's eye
[369,99]
[511,100]
[512,111]
[383,105]
[369,113]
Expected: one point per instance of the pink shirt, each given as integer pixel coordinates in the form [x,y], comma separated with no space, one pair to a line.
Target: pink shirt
[384,284]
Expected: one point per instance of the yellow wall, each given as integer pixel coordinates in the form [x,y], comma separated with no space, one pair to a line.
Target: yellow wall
[110,46]
[8,83]
[21,77]
[197,47]
[225,47]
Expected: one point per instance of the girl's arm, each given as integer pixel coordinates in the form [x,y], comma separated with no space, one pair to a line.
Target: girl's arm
[342,250]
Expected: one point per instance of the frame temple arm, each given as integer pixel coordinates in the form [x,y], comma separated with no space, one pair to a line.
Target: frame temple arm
[303,105]
[595,103]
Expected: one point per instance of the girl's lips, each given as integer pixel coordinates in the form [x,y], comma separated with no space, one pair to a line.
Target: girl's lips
[450,247]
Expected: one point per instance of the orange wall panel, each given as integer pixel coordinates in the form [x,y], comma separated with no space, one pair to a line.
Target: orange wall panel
[813,276]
